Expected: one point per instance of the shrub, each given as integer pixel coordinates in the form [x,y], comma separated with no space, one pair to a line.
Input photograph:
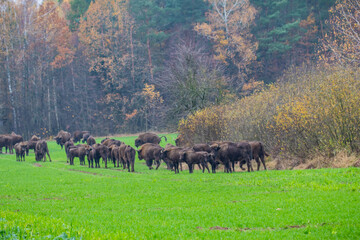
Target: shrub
[307,112]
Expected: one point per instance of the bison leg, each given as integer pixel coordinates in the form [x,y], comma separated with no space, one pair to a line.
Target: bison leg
[205,165]
[132,162]
[263,161]
[157,164]
[248,161]
[242,163]
[149,164]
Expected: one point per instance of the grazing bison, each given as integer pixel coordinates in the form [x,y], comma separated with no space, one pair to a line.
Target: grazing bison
[150,152]
[258,152]
[41,149]
[20,149]
[130,157]
[78,135]
[172,156]
[148,138]
[85,137]
[98,151]
[79,151]
[228,153]
[62,137]
[91,141]
[191,157]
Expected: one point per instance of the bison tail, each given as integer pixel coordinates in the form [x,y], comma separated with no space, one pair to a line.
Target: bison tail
[266,154]
[164,137]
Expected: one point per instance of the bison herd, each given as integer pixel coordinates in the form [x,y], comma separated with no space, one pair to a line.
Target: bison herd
[118,153]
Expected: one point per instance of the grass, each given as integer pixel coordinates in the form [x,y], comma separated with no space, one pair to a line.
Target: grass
[75,202]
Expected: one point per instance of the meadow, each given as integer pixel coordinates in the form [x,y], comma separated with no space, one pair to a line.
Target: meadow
[53,200]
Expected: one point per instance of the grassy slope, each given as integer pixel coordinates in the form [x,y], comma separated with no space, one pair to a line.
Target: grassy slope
[110,204]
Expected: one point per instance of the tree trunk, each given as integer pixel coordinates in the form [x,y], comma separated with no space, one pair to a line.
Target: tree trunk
[49,108]
[10,89]
[55,103]
[150,61]
[132,56]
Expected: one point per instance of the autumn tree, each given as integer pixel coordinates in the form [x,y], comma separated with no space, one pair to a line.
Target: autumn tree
[343,41]
[152,105]
[228,25]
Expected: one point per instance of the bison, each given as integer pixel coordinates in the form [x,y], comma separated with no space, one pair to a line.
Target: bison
[85,137]
[79,151]
[130,157]
[20,149]
[191,157]
[108,142]
[41,149]
[98,151]
[258,153]
[228,153]
[78,135]
[148,138]
[5,141]
[150,152]
[62,137]
[91,141]
[171,155]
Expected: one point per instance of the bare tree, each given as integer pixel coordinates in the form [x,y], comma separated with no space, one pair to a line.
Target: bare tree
[192,80]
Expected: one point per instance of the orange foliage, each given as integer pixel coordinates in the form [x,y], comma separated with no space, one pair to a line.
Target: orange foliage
[228,25]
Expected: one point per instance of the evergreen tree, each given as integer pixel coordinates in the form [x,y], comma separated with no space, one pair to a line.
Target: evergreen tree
[286,29]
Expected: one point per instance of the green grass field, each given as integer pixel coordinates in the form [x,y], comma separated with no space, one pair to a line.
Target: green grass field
[49,200]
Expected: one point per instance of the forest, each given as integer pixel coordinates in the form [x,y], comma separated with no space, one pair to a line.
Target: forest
[125,66]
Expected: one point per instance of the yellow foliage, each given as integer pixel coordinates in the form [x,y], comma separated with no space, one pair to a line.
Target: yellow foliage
[313,111]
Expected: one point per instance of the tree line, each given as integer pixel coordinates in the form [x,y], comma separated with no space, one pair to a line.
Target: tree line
[134,65]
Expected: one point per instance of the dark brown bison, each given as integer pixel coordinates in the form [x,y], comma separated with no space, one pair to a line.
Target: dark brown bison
[150,152]
[85,137]
[31,144]
[5,141]
[91,141]
[108,142]
[172,156]
[130,158]
[121,158]
[229,153]
[62,137]
[104,140]
[212,151]
[79,151]
[258,153]
[114,154]
[98,151]
[148,138]
[41,149]
[67,146]
[78,135]
[20,149]
[14,140]
[191,158]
